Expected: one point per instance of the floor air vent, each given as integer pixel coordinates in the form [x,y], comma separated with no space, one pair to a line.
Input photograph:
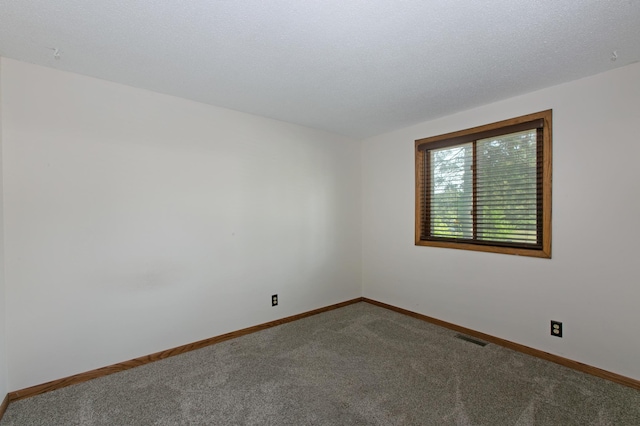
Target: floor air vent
[471,340]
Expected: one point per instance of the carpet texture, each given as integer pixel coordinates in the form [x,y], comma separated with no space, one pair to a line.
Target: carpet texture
[358,365]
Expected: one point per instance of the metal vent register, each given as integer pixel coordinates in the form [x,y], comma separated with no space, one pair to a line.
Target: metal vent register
[471,340]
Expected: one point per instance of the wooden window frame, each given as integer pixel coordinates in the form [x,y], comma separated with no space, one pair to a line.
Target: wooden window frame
[494,129]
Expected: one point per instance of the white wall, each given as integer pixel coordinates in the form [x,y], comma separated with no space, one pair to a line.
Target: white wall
[136,222]
[3,354]
[592,282]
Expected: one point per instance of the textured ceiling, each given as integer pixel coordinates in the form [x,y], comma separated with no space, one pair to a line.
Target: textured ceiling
[357,68]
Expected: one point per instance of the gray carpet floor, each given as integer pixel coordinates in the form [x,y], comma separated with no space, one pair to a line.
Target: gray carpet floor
[358,365]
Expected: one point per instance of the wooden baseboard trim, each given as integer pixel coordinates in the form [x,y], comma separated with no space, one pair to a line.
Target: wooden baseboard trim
[4,405]
[585,368]
[136,362]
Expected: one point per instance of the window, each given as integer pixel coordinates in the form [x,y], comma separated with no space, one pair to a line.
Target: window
[487,188]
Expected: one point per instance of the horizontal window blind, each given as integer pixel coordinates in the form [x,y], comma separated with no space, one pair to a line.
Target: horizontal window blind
[485,191]
[487,188]
[451,192]
[506,186]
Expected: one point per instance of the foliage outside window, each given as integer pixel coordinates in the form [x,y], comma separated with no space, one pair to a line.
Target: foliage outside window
[487,188]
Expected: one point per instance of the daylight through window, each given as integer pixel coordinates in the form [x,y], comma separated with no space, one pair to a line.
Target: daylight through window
[487,188]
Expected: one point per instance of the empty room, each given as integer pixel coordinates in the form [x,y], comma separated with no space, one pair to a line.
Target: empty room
[319,212]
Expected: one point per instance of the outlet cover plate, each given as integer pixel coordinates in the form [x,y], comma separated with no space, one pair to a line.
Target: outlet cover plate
[556,328]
